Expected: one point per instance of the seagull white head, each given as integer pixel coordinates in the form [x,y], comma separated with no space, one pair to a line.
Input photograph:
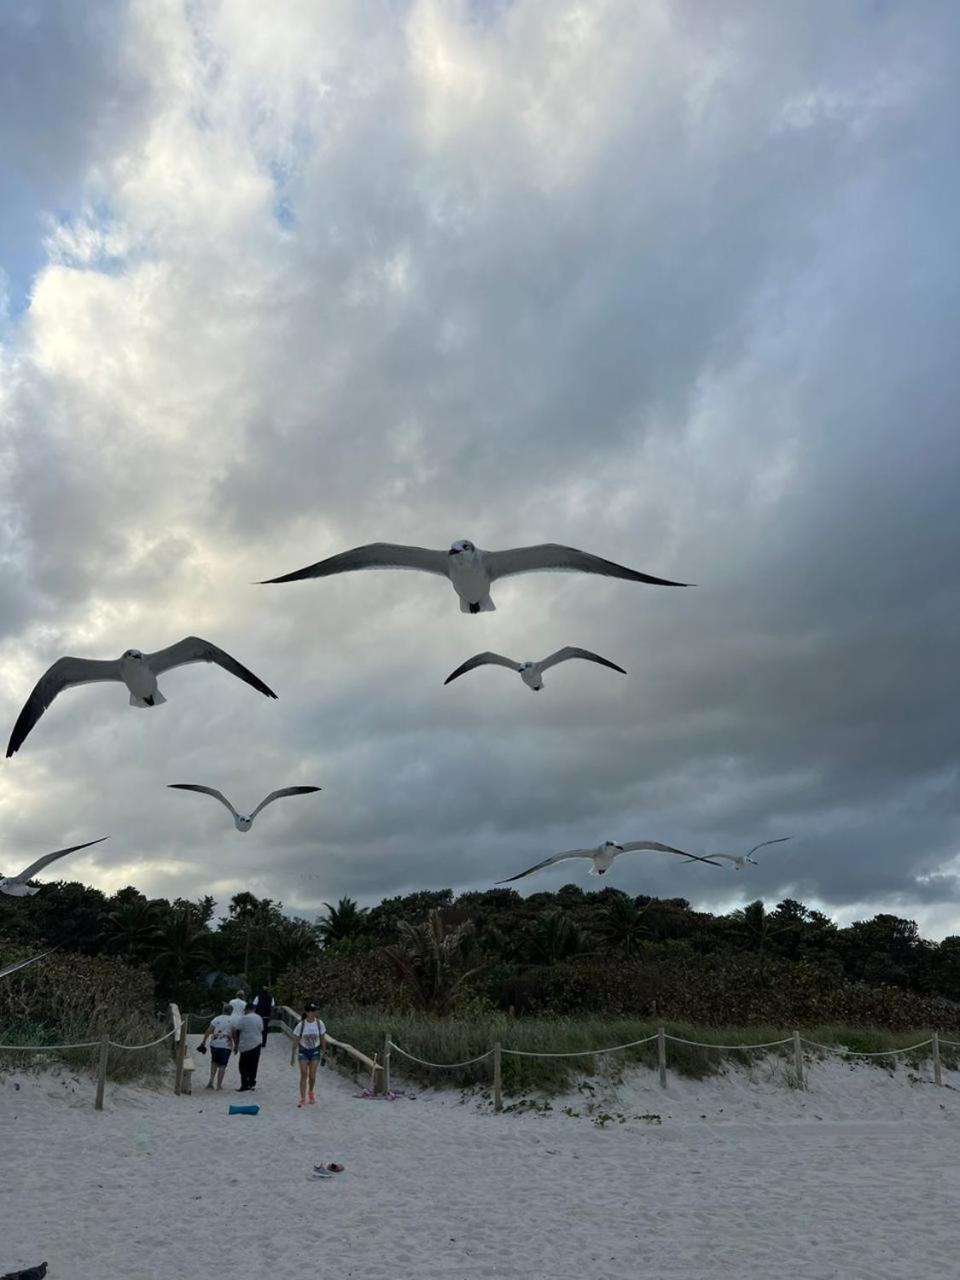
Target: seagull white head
[460,546]
[134,653]
[243,823]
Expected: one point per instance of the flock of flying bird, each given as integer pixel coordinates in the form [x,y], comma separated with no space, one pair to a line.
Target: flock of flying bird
[470,571]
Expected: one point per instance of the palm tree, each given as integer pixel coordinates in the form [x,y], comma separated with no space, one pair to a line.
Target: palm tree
[293,945]
[344,921]
[430,959]
[182,948]
[622,925]
[555,937]
[133,928]
[757,925]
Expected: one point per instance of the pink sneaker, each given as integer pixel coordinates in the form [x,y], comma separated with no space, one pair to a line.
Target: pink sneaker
[313,1097]
[299,1102]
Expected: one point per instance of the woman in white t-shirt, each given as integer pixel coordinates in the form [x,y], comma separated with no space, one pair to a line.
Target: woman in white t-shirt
[221,1033]
[311,1037]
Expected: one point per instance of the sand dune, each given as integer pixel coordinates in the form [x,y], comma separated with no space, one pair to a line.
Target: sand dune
[735,1176]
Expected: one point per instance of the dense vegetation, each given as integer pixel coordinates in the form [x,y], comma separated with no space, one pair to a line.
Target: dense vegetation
[569,953]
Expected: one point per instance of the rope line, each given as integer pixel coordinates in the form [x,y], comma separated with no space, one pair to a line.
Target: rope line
[856,1053]
[447,1065]
[698,1044]
[36,1048]
[114,1045]
[84,1044]
[768,1044]
[577,1053]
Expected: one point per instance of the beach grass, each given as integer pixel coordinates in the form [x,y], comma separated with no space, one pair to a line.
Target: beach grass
[123,1066]
[458,1039]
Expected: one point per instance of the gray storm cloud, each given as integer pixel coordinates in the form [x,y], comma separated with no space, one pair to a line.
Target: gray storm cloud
[674,286]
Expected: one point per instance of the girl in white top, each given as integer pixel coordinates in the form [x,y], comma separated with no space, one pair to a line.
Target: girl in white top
[311,1038]
[222,1036]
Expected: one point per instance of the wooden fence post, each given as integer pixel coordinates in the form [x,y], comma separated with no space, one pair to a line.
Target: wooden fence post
[937,1077]
[798,1059]
[662,1056]
[181,1054]
[497,1079]
[102,1072]
[385,1073]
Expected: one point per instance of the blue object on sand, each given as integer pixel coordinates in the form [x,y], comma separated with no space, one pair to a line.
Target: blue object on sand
[250,1110]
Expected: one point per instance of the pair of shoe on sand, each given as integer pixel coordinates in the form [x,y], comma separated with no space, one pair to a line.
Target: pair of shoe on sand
[311,1096]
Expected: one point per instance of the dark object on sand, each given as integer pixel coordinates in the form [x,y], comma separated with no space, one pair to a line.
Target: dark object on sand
[31,1273]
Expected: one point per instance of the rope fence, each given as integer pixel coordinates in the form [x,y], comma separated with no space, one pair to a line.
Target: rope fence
[105,1044]
[661,1036]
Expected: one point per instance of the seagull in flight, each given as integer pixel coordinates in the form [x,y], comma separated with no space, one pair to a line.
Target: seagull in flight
[17,887]
[138,671]
[739,861]
[531,673]
[603,857]
[241,821]
[470,570]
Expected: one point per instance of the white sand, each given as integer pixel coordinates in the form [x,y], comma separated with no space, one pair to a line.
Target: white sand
[743,1177]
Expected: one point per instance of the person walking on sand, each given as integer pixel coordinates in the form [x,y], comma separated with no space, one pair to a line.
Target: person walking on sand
[311,1038]
[248,1044]
[264,1007]
[238,1004]
[222,1036]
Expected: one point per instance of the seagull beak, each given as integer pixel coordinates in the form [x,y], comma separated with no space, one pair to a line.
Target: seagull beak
[454,551]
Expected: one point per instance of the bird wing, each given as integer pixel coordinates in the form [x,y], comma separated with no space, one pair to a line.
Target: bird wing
[570,652]
[557,857]
[480,660]
[64,674]
[22,964]
[559,559]
[764,843]
[207,791]
[375,555]
[47,858]
[284,791]
[193,649]
[663,848]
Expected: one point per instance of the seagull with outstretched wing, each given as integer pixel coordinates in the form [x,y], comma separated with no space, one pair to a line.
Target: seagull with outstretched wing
[242,821]
[739,860]
[22,964]
[470,570]
[138,671]
[604,855]
[17,886]
[531,673]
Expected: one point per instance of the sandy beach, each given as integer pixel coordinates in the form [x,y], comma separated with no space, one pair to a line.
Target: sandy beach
[737,1175]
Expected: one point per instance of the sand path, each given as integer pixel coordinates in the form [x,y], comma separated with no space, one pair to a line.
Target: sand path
[159,1186]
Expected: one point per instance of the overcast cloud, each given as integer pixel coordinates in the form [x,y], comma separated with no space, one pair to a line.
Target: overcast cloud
[674,283]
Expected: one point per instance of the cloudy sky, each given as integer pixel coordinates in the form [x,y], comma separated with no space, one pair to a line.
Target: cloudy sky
[672,282]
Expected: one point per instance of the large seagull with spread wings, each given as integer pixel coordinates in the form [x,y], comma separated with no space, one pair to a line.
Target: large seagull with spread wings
[470,570]
[138,671]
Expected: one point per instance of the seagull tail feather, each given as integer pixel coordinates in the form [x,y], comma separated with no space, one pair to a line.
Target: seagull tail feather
[155,700]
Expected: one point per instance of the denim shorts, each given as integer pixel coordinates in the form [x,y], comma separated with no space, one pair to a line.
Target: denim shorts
[308,1055]
[219,1057]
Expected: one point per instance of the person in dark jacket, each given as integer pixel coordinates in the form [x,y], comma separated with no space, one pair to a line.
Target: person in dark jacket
[263,1005]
